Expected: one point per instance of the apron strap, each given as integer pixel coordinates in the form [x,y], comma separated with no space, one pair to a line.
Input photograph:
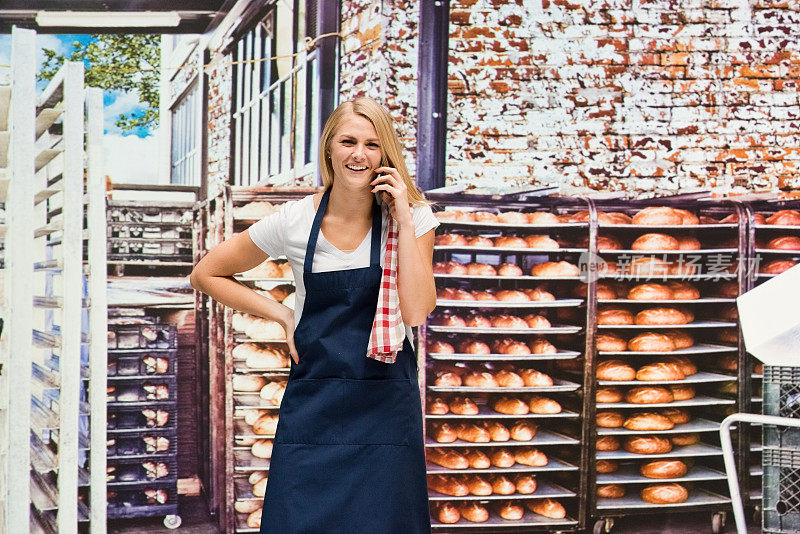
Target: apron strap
[311,247]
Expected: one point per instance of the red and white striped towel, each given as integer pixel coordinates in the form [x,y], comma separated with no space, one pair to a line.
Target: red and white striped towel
[388,333]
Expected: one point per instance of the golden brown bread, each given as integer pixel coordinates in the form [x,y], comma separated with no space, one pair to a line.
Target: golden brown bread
[543,405]
[481,269]
[680,338]
[607,443]
[615,370]
[497,431]
[661,315]
[472,433]
[447,513]
[507,345]
[447,485]
[254,519]
[649,395]
[541,242]
[665,494]
[502,486]
[525,484]
[439,347]
[681,393]
[476,320]
[660,371]
[542,217]
[479,241]
[609,418]
[681,440]
[614,316]
[683,290]
[609,394]
[647,445]
[530,456]
[663,469]
[651,342]
[777,266]
[507,241]
[448,458]
[784,218]
[655,241]
[606,466]
[784,243]
[611,491]
[477,459]
[471,346]
[473,511]
[536,321]
[687,217]
[450,240]
[523,430]
[647,266]
[508,321]
[648,421]
[547,508]
[610,343]
[686,365]
[477,485]
[503,458]
[444,433]
[658,215]
[510,406]
[551,268]
[512,295]
[481,379]
[542,346]
[463,406]
[509,379]
[676,415]
[534,378]
[447,379]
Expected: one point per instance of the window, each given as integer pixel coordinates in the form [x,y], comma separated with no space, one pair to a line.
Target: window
[276,106]
[185,153]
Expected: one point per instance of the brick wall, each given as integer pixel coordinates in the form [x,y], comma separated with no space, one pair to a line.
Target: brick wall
[379,59]
[651,96]
[219,123]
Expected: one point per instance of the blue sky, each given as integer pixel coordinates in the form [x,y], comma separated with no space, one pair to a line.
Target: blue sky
[130,157]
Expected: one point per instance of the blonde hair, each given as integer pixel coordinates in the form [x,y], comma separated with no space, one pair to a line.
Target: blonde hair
[391,151]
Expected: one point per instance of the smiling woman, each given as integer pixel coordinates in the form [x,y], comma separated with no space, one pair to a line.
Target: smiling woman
[348,453]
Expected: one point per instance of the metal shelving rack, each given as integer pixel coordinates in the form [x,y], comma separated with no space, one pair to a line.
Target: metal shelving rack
[706,477]
[761,446]
[65,232]
[559,435]
[230,460]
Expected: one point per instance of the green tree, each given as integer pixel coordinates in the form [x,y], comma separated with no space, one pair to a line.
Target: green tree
[117,62]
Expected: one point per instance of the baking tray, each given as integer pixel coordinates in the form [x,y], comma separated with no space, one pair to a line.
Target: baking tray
[243,278]
[756,446]
[560,303]
[756,470]
[695,425]
[241,524]
[560,355]
[511,250]
[484,412]
[700,348]
[559,329]
[243,430]
[240,367]
[554,464]
[698,449]
[498,277]
[629,474]
[699,400]
[544,490]
[542,437]
[245,462]
[696,324]
[702,300]
[697,497]
[777,227]
[558,386]
[529,519]
[668,226]
[777,251]
[700,377]
[239,338]
[650,277]
[651,252]
[512,226]
[249,401]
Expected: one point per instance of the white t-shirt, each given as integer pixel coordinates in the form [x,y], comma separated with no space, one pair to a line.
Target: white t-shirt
[285,233]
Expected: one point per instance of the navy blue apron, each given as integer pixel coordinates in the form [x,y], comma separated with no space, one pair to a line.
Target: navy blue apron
[348,453]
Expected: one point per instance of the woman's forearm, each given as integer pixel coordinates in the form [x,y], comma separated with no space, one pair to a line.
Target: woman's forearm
[415,284]
[232,293]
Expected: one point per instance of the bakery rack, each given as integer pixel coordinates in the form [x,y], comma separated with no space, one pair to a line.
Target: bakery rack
[231,462]
[705,478]
[770,451]
[558,434]
[57,294]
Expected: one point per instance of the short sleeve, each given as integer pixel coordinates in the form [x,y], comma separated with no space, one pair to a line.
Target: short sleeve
[424,221]
[269,233]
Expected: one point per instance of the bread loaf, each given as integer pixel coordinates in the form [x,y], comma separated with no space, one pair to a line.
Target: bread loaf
[649,395]
[447,485]
[647,445]
[510,406]
[510,510]
[663,469]
[529,456]
[448,458]
[543,405]
[447,513]
[547,508]
[665,494]
[615,370]
[503,458]
[473,511]
[648,421]
[611,491]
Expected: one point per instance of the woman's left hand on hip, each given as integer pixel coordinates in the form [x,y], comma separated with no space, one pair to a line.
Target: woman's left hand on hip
[395,194]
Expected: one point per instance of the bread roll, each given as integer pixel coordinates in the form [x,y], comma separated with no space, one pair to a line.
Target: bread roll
[529,456]
[607,342]
[507,241]
[262,448]
[608,443]
[687,216]
[542,217]
[609,394]
[472,433]
[265,425]
[477,459]
[611,491]
[784,243]
[777,266]
[614,217]
[510,406]
[683,290]
[647,445]
[686,365]
[497,431]
[473,511]
[509,346]
[687,242]
[525,484]
[606,466]
[678,416]
[659,316]
[614,316]
[447,513]
[615,370]
[551,268]
[543,405]
[665,494]
[248,383]
[541,242]
[657,215]
[660,371]
[509,269]
[655,242]
[504,458]
[447,319]
[681,393]
[483,296]
[447,485]
[547,508]
[508,321]
[682,440]
[648,395]
[509,379]
[439,347]
[254,519]
[534,378]
[609,418]
[463,406]
[681,338]
[476,320]
[448,458]
[480,380]
[648,421]
[651,342]
[664,469]
[450,240]
[485,216]
[260,487]
[471,346]
[784,218]
[502,486]
[481,269]
[447,380]
[444,433]
[523,431]
[247,507]
[477,485]
[650,292]
[542,346]
[539,295]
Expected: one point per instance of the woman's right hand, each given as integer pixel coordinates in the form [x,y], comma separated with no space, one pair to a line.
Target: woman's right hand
[287,322]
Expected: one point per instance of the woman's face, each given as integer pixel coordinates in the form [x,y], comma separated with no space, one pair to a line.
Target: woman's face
[355,151]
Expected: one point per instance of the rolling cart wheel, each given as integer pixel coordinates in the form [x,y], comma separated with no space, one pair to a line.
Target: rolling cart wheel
[757,514]
[172,521]
[718,523]
[603,525]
